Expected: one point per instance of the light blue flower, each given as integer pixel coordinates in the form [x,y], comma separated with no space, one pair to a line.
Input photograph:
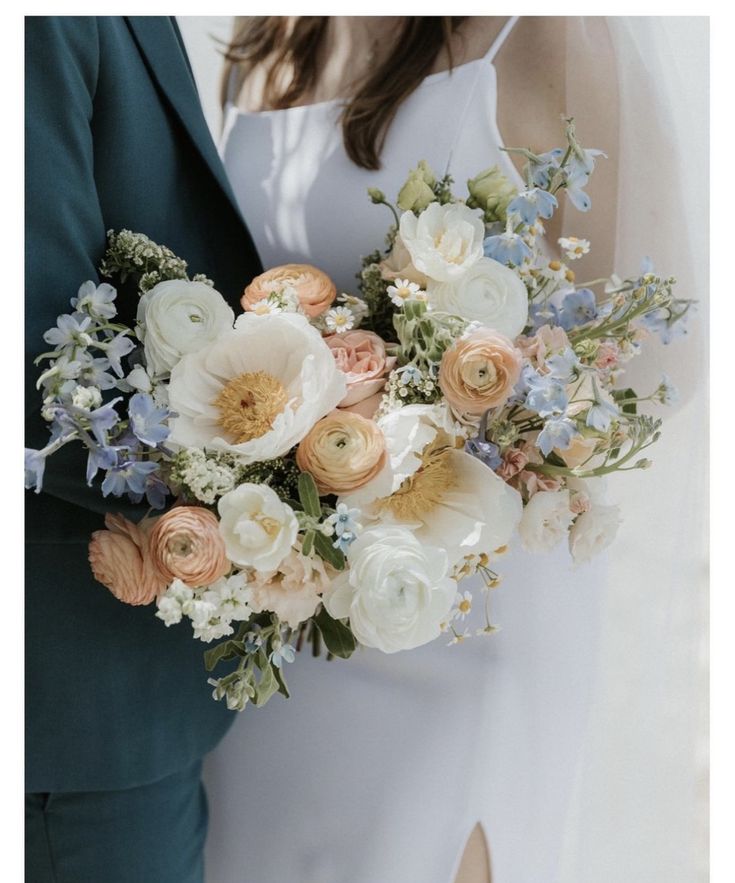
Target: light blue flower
[129,477]
[116,349]
[544,169]
[530,204]
[94,373]
[542,314]
[100,458]
[485,451]
[578,308]
[95,300]
[156,491]
[35,464]
[601,414]
[667,393]
[284,653]
[507,248]
[344,541]
[563,366]
[557,433]
[410,374]
[583,161]
[668,323]
[546,395]
[101,420]
[70,331]
[146,420]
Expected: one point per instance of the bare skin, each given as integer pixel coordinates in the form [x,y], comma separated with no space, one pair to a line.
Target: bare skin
[532,101]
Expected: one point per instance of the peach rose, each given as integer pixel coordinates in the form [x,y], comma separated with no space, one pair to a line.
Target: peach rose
[121,561]
[479,372]
[314,289]
[186,544]
[293,592]
[367,407]
[545,342]
[343,452]
[537,481]
[361,356]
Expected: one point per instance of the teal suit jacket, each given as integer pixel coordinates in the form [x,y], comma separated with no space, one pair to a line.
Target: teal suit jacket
[115,137]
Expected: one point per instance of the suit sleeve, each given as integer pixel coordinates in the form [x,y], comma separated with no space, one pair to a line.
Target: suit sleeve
[65,231]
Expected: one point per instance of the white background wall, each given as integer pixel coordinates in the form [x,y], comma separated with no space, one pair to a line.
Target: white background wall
[641,803]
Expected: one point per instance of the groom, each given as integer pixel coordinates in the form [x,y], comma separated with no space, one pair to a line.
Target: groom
[118,711]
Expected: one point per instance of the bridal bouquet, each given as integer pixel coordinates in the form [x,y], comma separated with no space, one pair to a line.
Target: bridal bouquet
[327,469]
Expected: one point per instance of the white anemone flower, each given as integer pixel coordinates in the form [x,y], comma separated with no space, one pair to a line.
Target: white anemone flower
[447,497]
[257,390]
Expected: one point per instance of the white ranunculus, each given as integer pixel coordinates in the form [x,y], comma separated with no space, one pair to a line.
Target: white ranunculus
[488,293]
[593,531]
[467,509]
[283,346]
[397,591]
[444,240]
[258,528]
[179,317]
[546,520]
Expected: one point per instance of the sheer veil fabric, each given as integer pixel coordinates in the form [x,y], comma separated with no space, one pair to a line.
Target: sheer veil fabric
[637,806]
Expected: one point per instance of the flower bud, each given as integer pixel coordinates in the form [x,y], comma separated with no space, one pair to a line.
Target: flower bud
[492,192]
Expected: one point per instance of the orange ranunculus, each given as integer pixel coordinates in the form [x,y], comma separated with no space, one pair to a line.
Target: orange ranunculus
[186,544]
[314,289]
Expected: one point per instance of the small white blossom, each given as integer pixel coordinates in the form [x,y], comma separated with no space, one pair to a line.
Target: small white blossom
[87,397]
[265,306]
[339,319]
[574,248]
[403,291]
[464,605]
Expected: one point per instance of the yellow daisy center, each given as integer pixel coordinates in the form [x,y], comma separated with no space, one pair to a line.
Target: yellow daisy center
[465,606]
[249,404]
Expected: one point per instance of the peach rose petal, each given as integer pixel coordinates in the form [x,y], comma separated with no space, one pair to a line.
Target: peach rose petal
[120,560]
[314,289]
[186,544]
[362,358]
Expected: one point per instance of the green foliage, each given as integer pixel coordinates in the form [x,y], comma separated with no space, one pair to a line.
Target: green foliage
[338,638]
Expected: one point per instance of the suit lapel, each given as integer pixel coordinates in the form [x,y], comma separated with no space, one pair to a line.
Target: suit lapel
[163,51]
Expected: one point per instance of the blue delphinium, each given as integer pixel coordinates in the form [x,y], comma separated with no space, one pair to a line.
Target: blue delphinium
[101,420]
[485,451]
[558,432]
[96,301]
[547,395]
[116,349]
[542,314]
[129,477]
[507,248]
[545,167]
[578,308]
[35,464]
[667,323]
[602,412]
[100,458]
[281,654]
[146,420]
[531,204]
[563,366]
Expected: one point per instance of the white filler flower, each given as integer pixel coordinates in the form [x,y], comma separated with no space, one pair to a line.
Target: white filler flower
[546,520]
[447,497]
[397,591]
[444,240]
[179,317]
[487,292]
[257,390]
[258,529]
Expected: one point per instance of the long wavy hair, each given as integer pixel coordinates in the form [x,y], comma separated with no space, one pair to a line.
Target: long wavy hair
[290,50]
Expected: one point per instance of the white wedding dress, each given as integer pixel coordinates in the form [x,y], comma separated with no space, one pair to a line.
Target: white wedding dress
[377,769]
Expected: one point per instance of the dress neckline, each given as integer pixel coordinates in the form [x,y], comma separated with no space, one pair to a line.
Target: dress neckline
[231,107]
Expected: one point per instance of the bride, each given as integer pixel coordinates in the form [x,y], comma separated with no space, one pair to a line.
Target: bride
[451,762]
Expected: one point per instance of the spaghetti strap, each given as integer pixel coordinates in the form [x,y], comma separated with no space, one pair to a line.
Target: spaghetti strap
[501,38]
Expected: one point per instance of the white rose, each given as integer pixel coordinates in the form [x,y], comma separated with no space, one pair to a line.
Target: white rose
[444,240]
[179,317]
[397,591]
[593,531]
[257,527]
[546,520]
[257,390]
[488,293]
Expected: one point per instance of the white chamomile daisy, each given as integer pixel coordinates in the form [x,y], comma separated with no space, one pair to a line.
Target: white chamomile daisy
[556,270]
[265,306]
[464,605]
[339,319]
[404,291]
[459,637]
[574,248]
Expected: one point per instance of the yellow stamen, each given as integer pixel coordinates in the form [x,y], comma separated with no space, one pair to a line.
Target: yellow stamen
[554,265]
[465,606]
[425,489]
[249,404]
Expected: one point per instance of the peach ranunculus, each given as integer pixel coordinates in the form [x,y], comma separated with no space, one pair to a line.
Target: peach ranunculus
[293,592]
[343,452]
[362,358]
[479,372]
[186,544]
[545,342]
[314,289]
[121,560]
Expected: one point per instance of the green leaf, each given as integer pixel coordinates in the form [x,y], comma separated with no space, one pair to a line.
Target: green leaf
[222,652]
[282,688]
[338,638]
[266,686]
[309,495]
[326,550]
[628,407]
[308,543]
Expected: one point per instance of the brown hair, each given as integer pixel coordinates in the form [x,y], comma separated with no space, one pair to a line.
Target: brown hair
[292,46]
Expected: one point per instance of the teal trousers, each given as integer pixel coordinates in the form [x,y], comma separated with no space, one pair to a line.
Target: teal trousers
[151,834]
